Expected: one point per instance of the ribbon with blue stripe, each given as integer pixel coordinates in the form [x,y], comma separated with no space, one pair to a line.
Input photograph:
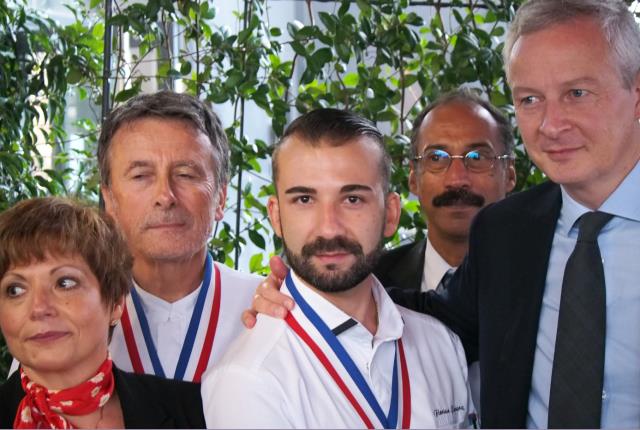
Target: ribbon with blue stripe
[390,420]
[194,323]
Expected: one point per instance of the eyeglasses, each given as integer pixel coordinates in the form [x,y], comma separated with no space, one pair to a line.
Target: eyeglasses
[476,161]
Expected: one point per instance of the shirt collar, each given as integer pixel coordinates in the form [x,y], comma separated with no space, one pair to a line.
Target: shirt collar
[624,202]
[434,267]
[183,306]
[390,324]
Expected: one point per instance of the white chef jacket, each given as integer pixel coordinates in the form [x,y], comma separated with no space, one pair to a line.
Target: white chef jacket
[269,378]
[169,322]
[433,270]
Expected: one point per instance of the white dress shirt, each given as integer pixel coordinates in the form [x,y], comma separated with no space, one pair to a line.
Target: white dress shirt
[434,268]
[270,378]
[169,322]
[619,242]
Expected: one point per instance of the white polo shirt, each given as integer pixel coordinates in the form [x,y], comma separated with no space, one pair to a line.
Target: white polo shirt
[169,323]
[270,378]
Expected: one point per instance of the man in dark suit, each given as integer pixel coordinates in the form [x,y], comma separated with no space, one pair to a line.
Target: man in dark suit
[573,70]
[451,192]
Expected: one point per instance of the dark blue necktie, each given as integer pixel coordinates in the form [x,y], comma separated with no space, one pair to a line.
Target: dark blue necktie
[444,282]
[575,399]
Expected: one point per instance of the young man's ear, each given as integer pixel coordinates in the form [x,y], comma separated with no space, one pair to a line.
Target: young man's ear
[273,209]
[392,214]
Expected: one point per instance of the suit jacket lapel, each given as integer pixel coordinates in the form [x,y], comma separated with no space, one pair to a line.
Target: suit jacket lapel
[527,275]
[409,270]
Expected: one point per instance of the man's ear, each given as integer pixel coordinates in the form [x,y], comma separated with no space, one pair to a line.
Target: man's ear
[273,209]
[107,197]
[413,178]
[510,176]
[636,91]
[392,214]
[222,200]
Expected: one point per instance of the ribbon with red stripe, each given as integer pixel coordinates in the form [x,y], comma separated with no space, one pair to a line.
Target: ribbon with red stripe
[187,347]
[387,420]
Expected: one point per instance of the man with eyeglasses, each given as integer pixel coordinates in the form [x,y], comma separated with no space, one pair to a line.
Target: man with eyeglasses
[462,160]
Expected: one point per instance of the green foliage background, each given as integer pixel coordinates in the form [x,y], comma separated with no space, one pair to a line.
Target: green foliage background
[368,56]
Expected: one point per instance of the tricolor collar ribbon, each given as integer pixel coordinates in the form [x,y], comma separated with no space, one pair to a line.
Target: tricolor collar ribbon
[194,323]
[389,420]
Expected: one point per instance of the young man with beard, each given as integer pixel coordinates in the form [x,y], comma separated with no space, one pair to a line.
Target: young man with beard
[462,160]
[342,357]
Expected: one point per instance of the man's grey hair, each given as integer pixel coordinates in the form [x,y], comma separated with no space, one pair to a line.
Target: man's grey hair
[618,26]
[171,106]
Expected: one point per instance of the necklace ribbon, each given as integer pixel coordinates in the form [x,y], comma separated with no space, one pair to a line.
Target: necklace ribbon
[387,420]
[188,344]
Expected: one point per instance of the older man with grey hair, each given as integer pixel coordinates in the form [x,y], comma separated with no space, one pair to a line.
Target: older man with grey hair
[164,161]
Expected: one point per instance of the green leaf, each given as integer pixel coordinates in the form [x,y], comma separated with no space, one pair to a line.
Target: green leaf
[234,77]
[329,21]
[119,20]
[185,68]
[343,50]
[306,32]
[321,57]
[344,7]
[498,32]
[388,115]
[126,94]
[257,239]
[409,80]
[293,27]
[74,76]
[255,263]
[364,7]
[298,48]
[351,79]
[207,12]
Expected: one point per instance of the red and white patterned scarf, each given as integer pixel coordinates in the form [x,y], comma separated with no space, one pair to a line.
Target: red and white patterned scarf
[41,408]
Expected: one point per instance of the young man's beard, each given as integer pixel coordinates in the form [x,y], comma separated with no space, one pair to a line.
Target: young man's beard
[333,280]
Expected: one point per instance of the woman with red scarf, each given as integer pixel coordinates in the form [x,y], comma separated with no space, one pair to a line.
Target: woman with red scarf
[64,274]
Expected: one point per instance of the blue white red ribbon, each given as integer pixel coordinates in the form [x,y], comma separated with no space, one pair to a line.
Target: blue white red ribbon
[389,420]
[190,338]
